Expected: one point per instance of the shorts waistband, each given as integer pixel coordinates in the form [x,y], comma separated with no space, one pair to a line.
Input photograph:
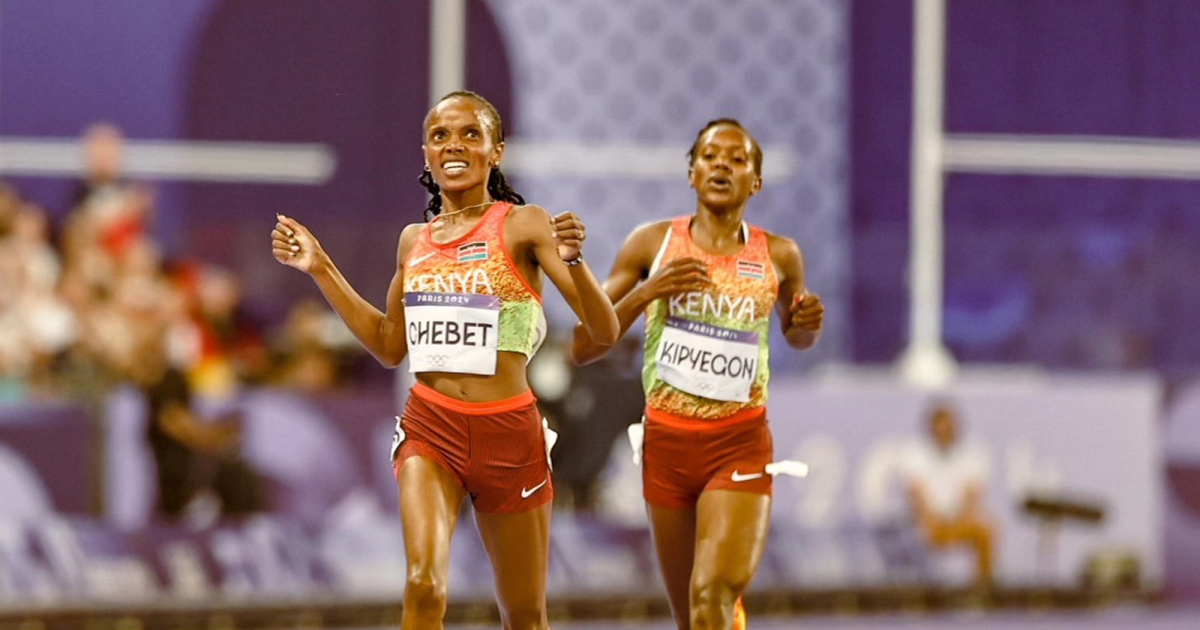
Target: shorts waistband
[701,424]
[431,395]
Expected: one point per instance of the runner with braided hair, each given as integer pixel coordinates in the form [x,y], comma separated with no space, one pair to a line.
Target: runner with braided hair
[465,308]
[707,284]
[497,185]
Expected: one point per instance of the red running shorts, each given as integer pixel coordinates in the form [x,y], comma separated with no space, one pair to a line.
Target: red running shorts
[683,458]
[496,449]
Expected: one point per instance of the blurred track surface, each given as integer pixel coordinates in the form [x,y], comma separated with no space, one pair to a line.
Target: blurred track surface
[1117,619]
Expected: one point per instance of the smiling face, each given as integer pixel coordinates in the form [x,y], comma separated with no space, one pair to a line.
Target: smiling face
[461,144]
[724,171]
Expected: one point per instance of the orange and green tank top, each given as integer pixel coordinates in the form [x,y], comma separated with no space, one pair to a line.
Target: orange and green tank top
[465,300]
[706,351]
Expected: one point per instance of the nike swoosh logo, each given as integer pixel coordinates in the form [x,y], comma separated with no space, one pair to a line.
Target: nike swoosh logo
[525,494]
[417,261]
[736,477]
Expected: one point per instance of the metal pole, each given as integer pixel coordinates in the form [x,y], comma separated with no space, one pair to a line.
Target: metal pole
[447,47]
[926,360]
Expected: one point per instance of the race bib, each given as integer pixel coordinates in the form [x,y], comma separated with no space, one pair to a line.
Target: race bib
[707,360]
[452,332]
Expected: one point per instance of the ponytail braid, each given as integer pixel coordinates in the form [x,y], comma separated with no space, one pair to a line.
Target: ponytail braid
[435,195]
[499,189]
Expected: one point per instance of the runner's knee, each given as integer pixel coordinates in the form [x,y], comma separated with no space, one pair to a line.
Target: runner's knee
[716,590]
[425,593]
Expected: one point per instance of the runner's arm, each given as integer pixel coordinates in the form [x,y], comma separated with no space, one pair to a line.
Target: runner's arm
[576,283]
[629,294]
[800,313]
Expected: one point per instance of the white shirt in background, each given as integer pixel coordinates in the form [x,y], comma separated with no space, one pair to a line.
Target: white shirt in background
[945,476]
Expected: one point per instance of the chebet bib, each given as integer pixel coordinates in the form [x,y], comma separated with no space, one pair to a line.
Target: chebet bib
[465,301]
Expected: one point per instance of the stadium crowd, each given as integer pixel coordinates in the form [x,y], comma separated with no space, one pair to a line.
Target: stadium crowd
[93,301]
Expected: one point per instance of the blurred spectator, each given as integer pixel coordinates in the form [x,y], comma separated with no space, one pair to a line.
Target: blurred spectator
[105,308]
[35,325]
[590,406]
[200,471]
[130,314]
[72,319]
[109,214]
[945,482]
[103,153]
[48,325]
[307,358]
[28,242]
[230,349]
[105,312]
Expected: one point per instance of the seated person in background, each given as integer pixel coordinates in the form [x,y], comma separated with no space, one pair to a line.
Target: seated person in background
[590,406]
[196,458]
[945,480]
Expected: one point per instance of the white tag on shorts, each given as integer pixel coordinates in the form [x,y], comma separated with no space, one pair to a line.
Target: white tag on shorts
[550,436]
[637,438]
[397,438]
[452,332]
[706,360]
[789,467]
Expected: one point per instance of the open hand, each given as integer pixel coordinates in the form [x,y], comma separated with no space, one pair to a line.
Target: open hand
[293,245]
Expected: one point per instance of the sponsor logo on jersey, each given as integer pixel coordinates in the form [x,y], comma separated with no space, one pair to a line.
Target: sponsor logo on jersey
[420,259]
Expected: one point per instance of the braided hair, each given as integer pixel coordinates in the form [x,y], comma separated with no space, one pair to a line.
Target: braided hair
[497,185]
[756,152]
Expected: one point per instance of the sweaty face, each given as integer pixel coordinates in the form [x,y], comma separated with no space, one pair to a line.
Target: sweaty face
[458,145]
[723,167]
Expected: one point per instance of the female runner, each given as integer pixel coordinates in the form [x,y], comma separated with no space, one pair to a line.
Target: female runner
[464,306]
[707,284]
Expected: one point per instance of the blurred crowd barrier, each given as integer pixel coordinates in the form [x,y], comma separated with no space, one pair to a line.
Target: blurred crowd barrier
[79,522]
